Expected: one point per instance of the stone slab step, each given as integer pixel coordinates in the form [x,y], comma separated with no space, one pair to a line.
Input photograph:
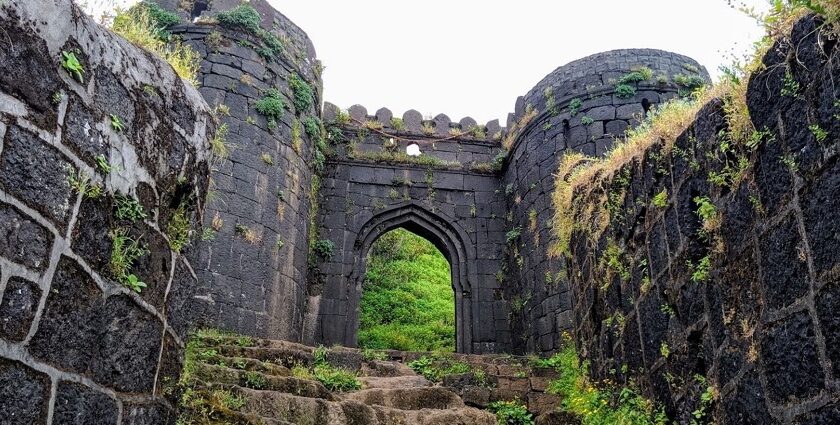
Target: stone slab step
[218,375]
[310,411]
[413,381]
[407,398]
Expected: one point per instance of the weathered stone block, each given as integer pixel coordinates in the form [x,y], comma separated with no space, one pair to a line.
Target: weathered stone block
[78,404]
[789,357]
[20,303]
[22,240]
[36,174]
[24,394]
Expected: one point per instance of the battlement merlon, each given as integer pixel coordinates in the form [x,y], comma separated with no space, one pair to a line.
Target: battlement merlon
[413,123]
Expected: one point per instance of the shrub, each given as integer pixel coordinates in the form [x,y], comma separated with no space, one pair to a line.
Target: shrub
[271,106]
[435,367]
[624,91]
[325,248]
[511,413]
[240,17]
[303,98]
[599,405]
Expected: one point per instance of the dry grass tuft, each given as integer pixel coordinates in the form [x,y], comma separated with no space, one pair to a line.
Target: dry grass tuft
[137,26]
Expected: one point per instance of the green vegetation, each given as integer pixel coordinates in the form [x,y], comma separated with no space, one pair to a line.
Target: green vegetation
[128,208]
[624,91]
[271,106]
[80,183]
[818,132]
[403,158]
[332,377]
[790,87]
[407,302]
[435,366]
[325,248]
[511,413]
[266,158]
[689,83]
[512,235]
[219,145]
[116,123]
[586,120]
[144,25]
[574,106]
[124,252]
[599,405]
[103,164]
[303,96]
[243,16]
[660,200]
[636,76]
[397,124]
[700,271]
[178,229]
[71,63]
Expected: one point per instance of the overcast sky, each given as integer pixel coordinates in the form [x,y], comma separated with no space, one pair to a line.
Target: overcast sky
[473,58]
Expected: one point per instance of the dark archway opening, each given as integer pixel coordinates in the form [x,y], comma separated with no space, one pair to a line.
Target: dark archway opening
[408,301]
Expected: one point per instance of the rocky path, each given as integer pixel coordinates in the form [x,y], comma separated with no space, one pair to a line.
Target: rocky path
[240,380]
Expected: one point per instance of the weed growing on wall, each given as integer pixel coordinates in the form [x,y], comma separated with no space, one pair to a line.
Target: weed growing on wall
[144,25]
[599,405]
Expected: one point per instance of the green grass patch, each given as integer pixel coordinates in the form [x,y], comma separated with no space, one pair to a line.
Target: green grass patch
[599,405]
[408,302]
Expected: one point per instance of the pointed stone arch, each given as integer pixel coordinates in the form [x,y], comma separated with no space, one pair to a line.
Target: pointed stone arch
[451,240]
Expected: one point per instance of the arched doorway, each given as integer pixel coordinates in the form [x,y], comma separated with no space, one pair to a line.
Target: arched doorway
[408,302]
[444,236]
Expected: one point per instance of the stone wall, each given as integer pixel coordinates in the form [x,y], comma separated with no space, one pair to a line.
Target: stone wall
[578,107]
[252,259]
[77,345]
[367,191]
[749,305]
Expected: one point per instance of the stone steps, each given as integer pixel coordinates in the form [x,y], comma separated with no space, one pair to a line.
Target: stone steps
[272,383]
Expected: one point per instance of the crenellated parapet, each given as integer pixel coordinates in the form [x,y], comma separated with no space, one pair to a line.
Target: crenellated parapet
[413,122]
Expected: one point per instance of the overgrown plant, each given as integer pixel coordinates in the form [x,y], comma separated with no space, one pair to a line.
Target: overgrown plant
[125,250]
[511,413]
[144,25]
[71,64]
[599,405]
[271,105]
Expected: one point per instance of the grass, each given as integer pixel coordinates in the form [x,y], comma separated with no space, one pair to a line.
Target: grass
[511,413]
[518,126]
[219,145]
[599,405]
[81,183]
[124,252]
[402,158]
[178,229]
[128,208]
[407,302]
[435,366]
[144,26]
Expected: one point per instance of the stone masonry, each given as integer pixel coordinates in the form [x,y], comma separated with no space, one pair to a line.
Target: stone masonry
[76,345]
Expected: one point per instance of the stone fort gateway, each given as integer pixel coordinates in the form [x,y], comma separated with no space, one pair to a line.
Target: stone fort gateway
[114,178]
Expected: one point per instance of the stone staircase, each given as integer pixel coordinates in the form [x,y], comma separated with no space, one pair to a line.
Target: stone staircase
[240,380]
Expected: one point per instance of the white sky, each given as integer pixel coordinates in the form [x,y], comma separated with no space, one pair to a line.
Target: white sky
[473,58]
